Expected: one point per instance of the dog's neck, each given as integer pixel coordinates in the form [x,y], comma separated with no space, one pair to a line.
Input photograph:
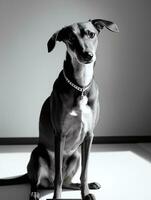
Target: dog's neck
[79,73]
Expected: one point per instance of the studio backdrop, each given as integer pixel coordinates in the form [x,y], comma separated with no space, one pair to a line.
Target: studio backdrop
[122,71]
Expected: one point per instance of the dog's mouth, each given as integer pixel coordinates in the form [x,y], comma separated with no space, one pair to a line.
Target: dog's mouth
[83,61]
[88,61]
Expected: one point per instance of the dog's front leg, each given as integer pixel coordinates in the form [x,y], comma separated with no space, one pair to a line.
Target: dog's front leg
[59,148]
[85,151]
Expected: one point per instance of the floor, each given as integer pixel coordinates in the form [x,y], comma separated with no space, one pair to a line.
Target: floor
[123,170]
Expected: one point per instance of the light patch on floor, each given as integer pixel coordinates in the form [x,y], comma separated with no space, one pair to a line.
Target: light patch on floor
[124,172]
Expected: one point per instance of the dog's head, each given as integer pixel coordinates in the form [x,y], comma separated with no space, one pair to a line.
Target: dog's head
[81,38]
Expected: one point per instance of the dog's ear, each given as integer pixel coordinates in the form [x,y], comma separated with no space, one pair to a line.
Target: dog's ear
[99,24]
[52,42]
[58,36]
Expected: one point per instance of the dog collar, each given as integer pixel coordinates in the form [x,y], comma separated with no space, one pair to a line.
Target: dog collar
[81,89]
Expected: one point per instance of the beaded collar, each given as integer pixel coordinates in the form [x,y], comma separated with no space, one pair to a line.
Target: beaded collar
[81,89]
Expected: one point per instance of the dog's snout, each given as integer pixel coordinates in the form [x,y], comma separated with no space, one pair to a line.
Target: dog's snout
[88,55]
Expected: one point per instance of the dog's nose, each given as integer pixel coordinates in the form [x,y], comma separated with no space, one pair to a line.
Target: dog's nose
[88,55]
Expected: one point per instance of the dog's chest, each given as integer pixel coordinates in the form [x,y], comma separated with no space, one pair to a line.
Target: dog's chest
[76,124]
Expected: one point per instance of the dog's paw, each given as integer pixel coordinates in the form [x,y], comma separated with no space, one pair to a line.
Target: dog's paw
[34,196]
[94,186]
[89,197]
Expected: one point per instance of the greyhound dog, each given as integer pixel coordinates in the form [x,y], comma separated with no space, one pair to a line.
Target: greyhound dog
[69,115]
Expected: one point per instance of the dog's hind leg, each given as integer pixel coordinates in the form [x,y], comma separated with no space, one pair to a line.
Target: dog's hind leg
[34,194]
[38,170]
[32,168]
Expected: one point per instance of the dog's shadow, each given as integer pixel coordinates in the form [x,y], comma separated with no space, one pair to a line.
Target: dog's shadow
[22,192]
[19,192]
[15,192]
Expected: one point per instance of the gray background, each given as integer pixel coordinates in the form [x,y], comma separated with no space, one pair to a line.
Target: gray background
[27,71]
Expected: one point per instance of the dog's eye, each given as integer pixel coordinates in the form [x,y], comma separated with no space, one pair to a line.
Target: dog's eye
[91,34]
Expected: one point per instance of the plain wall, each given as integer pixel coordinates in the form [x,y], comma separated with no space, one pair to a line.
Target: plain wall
[27,71]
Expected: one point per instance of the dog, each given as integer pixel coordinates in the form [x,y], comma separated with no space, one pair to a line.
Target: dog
[68,116]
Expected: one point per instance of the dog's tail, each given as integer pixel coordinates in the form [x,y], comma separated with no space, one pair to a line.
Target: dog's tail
[15,180]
